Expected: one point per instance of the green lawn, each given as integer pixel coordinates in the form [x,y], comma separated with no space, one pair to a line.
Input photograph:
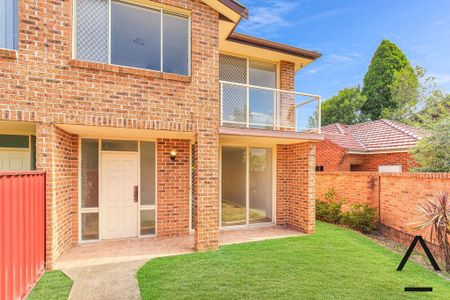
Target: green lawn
[52,285]
[335,263]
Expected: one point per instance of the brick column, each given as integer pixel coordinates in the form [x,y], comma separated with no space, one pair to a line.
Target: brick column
[206,192]
[287,101]
[296,180]
[56,154]
[173,188]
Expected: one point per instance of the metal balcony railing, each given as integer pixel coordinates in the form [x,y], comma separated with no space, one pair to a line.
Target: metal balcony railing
[248,106]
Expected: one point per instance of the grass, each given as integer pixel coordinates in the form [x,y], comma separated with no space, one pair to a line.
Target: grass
[52,286]
[336,263]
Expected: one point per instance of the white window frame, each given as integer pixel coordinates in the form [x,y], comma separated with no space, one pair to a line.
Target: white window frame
[148,6]
[247,190]
[28,149]
[247,83]
[15,28]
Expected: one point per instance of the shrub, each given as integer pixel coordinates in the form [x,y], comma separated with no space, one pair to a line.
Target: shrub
[328,211]
[361,218]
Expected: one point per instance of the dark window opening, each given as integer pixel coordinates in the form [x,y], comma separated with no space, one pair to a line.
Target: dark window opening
[320,169]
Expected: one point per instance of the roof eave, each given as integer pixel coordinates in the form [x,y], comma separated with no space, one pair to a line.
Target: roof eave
[273,46]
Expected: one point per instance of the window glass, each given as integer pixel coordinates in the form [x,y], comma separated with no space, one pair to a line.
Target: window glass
[33,152]
[263,74]
[89,226]
[92,30]
[148,223]
[148,171]
[89,173]
[262,112]
[14,141]
[111,145]
[176,44]
[135,36]
[260,185]
[234,186]
[8,24]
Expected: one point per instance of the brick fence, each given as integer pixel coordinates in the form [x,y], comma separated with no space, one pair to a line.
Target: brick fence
[395,195]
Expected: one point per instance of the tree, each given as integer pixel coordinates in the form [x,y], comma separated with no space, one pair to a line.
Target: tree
[344,108]
[433,151]
[405,93]
[388,65]
[435,107]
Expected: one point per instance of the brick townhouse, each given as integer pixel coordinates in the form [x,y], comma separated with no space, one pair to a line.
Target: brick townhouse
[375,146]
[154,118]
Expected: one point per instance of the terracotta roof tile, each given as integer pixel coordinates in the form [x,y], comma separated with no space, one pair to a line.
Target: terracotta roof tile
[381,135]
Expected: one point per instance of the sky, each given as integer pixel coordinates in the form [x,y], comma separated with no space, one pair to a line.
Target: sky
[347,33]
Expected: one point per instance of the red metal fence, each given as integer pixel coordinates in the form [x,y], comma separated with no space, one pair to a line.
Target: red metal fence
[22,232]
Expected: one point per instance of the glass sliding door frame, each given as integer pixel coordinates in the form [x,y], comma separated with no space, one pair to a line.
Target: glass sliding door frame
[141,208]
[247,208]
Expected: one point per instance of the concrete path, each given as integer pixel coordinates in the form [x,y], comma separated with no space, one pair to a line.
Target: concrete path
[110,281]
[107,270]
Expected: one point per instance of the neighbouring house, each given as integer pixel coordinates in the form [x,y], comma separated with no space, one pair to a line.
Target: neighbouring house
[154,118]
[381,146]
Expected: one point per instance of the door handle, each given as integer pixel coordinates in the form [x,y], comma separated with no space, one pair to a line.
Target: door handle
[136,194]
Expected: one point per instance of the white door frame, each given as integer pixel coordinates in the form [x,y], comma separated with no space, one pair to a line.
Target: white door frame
[100,202]
[274,186]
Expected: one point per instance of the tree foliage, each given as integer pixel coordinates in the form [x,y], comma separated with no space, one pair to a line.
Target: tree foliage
[387,71]
[344,108]
[433,151]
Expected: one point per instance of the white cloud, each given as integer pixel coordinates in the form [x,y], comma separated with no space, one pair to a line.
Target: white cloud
[324,15]
[269,17]
[333,61]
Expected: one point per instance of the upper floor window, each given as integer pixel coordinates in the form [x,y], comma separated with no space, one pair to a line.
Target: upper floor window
[120,33]
[8,24]
[248,92]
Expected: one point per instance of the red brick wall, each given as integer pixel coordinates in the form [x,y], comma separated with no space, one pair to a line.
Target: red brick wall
[41,83]
[287,101]
[173,188]
[296,186]
[401,158]
[396,196]
[335,158]
[57,155]
[329,155]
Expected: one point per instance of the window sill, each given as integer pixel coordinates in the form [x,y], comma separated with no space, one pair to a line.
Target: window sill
[127,70]
[8,53]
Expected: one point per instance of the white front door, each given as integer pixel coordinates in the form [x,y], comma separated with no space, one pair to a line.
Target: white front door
[14,160]
[119,206]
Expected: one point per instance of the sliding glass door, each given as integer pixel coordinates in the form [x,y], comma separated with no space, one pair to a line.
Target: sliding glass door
[247,186]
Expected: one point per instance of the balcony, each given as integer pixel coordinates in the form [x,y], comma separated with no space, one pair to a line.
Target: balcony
[248,106]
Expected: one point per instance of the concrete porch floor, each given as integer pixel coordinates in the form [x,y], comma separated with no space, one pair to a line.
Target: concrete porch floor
[127,250]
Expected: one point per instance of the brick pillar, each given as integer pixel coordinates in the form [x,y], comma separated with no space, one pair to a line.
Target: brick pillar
[287,101]
[296,184]
[173,188]
[206,191]
[56,154]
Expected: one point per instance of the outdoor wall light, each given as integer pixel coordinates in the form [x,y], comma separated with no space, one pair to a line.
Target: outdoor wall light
[173,154]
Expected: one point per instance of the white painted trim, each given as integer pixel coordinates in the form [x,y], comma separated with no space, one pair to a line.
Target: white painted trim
[74,47]
[379,152]
[100,204]
[161,10]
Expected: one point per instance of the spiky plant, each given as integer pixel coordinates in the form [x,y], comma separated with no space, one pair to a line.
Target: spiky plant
[435,214]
